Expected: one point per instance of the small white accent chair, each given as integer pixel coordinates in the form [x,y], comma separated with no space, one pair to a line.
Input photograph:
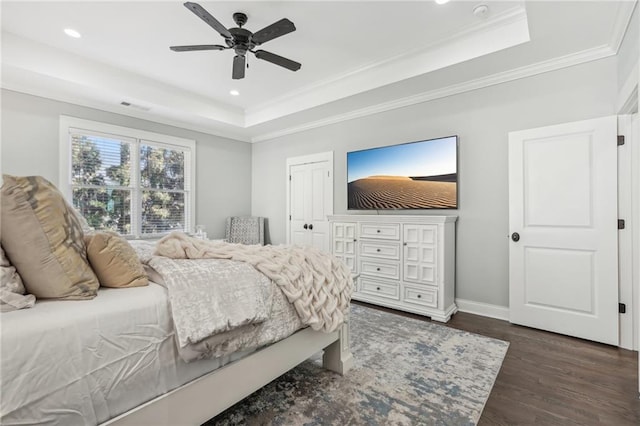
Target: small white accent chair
[245,230]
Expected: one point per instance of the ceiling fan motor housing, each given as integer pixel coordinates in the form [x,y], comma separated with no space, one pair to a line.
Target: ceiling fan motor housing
[241,41]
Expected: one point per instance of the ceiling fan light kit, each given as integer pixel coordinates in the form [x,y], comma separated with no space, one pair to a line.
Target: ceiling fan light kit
[242,40]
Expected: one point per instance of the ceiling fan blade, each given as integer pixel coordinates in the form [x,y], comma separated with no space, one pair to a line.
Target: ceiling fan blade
[206,17]
[197,47]
[238,67]
[277,29]
[278,60]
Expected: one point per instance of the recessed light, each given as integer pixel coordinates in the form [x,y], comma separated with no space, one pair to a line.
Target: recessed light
[72,33]
[442,1]
[234,93]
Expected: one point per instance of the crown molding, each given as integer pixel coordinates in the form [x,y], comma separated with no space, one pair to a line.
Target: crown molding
[500,32]
[504,18]
[621,23]
[566,61]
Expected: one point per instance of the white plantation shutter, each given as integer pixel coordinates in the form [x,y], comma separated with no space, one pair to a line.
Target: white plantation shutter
[165,189]
[134,182]
[101,179]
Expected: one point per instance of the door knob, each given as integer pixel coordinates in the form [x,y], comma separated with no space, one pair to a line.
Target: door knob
[305,226]
[311,226]
[515,237]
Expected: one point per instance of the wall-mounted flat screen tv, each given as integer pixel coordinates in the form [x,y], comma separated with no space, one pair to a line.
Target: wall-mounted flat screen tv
[415,175]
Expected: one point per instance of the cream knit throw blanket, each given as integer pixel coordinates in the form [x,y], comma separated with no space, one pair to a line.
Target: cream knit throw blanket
[316,283]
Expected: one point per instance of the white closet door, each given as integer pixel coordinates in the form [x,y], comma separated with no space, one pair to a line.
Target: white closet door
[310,200]
[563,252]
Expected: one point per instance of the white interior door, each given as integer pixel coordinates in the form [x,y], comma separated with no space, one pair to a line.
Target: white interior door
[563,252]
[310,200]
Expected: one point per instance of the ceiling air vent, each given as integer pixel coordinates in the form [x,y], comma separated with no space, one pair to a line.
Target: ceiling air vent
[130,105]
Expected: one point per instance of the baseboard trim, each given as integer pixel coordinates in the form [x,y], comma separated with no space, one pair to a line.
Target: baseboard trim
[483,309]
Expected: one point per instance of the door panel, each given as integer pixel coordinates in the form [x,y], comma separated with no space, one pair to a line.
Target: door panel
[573,268]
[298,197]
[344,244]
[546,162]
[419,253]
[322,188]
[318,188]
[563,271]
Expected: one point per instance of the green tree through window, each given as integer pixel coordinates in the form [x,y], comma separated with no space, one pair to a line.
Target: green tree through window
[108,187]
[162,183]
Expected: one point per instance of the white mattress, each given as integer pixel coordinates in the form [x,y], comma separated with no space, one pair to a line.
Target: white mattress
[84,362]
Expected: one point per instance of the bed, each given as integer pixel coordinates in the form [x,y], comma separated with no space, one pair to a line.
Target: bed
[113,360]
[102,345]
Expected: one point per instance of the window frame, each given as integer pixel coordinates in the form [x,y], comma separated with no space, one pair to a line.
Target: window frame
[69,125]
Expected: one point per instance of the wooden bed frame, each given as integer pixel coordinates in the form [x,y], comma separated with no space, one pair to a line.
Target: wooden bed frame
[203,398]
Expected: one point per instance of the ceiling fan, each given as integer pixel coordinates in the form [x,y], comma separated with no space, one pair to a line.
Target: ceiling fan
[242,40]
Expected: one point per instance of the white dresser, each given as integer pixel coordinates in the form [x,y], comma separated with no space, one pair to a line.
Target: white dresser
[402,262]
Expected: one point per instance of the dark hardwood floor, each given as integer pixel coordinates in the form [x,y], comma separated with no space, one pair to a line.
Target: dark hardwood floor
[551,379]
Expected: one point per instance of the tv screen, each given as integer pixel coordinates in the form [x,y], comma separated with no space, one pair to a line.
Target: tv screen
[416,175]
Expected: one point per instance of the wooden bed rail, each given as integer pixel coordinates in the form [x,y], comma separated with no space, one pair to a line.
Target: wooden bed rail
[201,399]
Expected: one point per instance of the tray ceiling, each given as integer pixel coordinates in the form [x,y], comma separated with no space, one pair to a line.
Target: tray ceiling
[354,55]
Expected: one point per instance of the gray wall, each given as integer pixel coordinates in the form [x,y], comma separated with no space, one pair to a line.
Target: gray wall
[482,119]
[30,146]
[629,52]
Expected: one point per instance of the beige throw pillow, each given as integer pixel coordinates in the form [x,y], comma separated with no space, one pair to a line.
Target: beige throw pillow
[44,240]
[114,261]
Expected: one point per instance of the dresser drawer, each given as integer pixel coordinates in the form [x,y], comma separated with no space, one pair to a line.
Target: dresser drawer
[423,296]
[380,269]
[383,231]
[380,289]
[381,250]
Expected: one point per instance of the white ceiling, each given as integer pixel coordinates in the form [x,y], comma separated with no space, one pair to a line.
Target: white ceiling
[357,57]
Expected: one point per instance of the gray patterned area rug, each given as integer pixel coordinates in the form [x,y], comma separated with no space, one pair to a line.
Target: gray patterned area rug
[407,372]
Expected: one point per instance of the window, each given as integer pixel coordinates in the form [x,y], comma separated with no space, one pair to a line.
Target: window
[134,182]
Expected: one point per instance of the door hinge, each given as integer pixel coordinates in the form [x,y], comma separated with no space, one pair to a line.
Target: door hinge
[621,224]
[289,177]
[622,308]
[289,217]
[620,140]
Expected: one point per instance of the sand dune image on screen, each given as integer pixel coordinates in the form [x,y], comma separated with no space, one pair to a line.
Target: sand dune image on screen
[416,175]
[400,192]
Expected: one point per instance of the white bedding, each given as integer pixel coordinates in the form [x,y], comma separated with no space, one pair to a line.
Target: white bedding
[84,362]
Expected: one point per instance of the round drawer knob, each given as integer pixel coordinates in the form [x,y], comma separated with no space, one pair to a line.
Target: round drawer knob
[378,250]
[419,296]
[377,269]
[378,231]
[378,288]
